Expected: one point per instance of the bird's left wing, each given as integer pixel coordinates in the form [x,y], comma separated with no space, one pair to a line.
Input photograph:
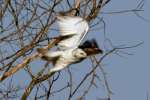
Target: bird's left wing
[49,55]
[75,27]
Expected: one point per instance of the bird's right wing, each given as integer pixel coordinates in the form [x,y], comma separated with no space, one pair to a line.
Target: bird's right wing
[75,27]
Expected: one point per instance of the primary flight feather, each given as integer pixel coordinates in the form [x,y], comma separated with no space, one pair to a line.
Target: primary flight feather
[75,27]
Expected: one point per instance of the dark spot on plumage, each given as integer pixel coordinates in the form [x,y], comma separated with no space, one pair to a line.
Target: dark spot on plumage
[89,44]
[42,50]
[53,60]
[90,47]
[92,51]
[61,38]
[71,12]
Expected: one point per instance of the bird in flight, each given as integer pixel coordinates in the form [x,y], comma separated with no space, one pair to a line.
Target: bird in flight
[73,30]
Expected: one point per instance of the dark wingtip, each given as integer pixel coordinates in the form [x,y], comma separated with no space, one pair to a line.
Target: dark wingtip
[89,44]
[91,47]
[99,50]
[94,43]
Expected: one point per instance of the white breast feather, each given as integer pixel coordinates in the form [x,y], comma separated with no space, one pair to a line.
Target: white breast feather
[75,26]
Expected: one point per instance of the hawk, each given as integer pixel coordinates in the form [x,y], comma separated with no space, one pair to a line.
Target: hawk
[73,29]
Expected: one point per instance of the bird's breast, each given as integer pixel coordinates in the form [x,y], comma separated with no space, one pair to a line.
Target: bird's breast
[69,57]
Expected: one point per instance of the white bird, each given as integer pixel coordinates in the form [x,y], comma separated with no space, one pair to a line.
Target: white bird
[75,29]
[63,58]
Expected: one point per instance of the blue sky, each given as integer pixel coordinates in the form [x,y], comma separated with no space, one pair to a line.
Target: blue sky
[129,76]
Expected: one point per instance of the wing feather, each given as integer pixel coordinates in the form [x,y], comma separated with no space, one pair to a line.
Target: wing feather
[75,26]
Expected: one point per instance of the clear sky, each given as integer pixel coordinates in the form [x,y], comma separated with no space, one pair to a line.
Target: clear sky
[129,76]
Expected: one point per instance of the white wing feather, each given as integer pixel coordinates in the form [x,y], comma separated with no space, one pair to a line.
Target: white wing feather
[75,26]
[53,54]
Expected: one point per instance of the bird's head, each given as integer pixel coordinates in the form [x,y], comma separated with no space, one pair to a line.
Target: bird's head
[79,53]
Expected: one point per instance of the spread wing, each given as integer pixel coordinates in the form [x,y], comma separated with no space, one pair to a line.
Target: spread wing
[75,27]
